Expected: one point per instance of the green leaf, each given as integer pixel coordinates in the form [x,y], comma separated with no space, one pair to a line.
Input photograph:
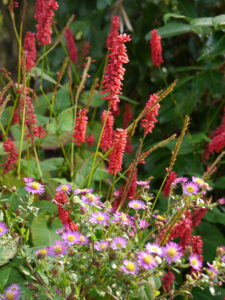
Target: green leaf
[214,46]
[4,275]
[168,16]
[215,216]
[46,206]
[42,233]
[127,99]
[219,22]
[65,122]
[37,72]
[51,164]
[8,250]
[171,29]
[102,4]
[52,142]
[96,99]
[201,22]
[220,183]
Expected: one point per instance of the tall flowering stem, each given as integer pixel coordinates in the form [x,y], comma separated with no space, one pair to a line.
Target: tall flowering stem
[119,146]
[114,31]
[148,122]
[80,127]
[156,48]
[30,50]
[112,83]
[12,155]
[107,135]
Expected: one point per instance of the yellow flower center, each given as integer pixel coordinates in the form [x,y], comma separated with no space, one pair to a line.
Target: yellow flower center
[123,217]
[91,198]
[148,259]
[131,266]
[136,205]
[35,185]
[194,261]
[154,249]
[118,244]
[71,238]
[100,218]
[160,218]
[190,189]
[58,249]
[1,229]
[43,252]
[102,246]
[82,239]
[172,252]
[199,181]
[10,296]
[64,188]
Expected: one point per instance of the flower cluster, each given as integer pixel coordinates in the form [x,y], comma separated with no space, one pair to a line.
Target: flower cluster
[156,48]
[148,122]
[44,12]
[30,50]
[72,48]
[107,135]
[12,155]
[80,127]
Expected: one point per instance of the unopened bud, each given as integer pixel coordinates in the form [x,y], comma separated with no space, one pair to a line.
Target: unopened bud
[14,189]
[54,272]
[18,212]
[35,296]
[15,235]
[4,187]
[220,251]
[6,205]
[187,251]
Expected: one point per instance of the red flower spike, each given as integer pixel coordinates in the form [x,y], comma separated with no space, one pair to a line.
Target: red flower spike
[12,155]
[44,13]
[116,156]
[167,280]
[114,31]
[148,122]
[72,48]
[80,127]
[30,50]
[112,83]
[90,140]
[171,178]
[106,140]
[156,48]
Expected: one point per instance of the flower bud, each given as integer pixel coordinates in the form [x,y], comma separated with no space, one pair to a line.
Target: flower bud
[14,189]
[18,212]
[6,205]
[15,235]
[187,251]
[220,251]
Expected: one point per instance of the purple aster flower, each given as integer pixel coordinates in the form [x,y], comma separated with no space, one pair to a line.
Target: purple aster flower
[41,253]
[122,218]
[28,179]
[70,237]
[3,228]
[223,258]
[190,188]
[146,260]
[82,191]
[129,267]
[99,217]
[181,180]
[136,204]
[34,187]
[80,238]
[143,183]
[212,270]
[172,252]
[92,200]
[154,248]
[116,193]
[101,245]
[66,188]
[118,243]
[160,218]
[12,293]
[201,183]
[195,262]
[221,201]
[58,249]
[143,224]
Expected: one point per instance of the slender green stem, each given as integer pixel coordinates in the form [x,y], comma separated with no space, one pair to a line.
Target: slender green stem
[159,191]
[37,162]
[98,145]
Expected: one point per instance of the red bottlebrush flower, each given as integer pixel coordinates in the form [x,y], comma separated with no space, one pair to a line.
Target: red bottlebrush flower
[217,143]
[148,122]
[64,216]
[167,280]
[119,146]
[132,188]
[90,140]
[128,115]
[106,140]
[30,50]
[80,127]
[30,116]
[12,155]
[40,132]
[44,12]
[156,48]
[198,214]
[129,146]
[16,117]
[112,83]
[71,46]
[114,31]
[171,178]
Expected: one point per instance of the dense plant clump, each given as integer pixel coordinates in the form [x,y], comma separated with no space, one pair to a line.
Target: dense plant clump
[79,217]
